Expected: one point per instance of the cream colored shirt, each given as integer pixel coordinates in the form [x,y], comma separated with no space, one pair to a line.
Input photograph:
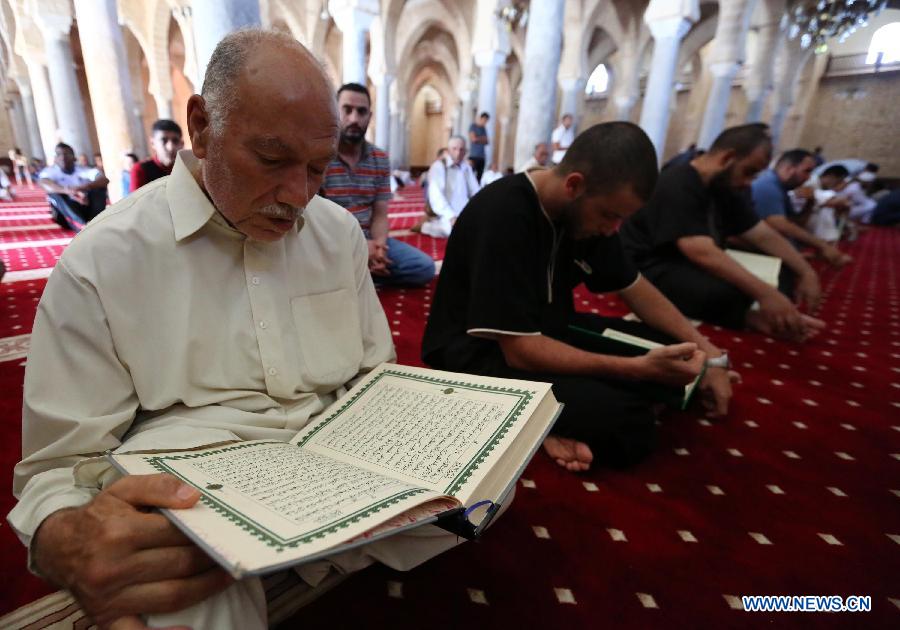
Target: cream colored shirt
[163,326]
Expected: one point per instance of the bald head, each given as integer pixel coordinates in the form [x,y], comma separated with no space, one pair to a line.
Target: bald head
[265,129]
[253,64]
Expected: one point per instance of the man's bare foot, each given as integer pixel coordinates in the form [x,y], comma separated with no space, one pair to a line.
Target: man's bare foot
[811,326]
[572,455]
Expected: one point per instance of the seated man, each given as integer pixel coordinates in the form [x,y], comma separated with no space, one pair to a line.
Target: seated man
[359,180]
[165,142]
[678,239]
[451,183]
[772,203]
[837,178]
[225,302]
[504,306]
[76,193]
[539,159]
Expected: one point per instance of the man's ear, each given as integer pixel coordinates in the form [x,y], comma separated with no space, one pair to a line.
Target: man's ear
[726,158]
[198,125]
[574,184]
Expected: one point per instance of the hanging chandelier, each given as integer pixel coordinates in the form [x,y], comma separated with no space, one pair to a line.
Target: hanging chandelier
[816,21]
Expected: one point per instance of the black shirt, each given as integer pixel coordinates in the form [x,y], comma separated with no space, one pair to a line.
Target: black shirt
[509,269]
[681,205]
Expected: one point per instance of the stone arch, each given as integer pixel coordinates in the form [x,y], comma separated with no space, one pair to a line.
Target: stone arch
[404,30]
[428,131]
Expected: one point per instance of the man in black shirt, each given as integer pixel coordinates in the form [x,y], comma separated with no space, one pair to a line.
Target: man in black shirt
[504,307]
[677,240]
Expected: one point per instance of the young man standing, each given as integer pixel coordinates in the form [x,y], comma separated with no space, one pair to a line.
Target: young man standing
[504,305]
[166,142]
[478,140]
[358,179]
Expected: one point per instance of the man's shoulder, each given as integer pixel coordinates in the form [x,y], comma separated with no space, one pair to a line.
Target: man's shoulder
[119,233]
[325,213]
[509,198]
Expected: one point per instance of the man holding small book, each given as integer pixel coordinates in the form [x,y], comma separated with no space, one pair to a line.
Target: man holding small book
[504,306]
[224,303]
[678,241]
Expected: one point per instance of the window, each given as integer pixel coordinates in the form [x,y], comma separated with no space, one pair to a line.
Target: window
[885,42]
[598,82]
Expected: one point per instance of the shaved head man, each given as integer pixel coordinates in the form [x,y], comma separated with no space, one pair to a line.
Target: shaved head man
[232,303]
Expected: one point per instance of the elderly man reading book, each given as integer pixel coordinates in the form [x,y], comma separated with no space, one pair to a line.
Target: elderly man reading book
[226,302]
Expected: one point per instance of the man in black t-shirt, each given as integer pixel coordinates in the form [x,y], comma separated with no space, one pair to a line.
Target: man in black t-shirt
[678,239]
[504,306]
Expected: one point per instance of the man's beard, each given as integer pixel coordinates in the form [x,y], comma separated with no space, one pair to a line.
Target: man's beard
[722,181]
[359,135]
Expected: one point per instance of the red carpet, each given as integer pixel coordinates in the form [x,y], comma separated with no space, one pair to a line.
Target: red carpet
[796,493]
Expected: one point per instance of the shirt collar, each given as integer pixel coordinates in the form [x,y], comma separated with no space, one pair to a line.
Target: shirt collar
[364,152]
[191,209]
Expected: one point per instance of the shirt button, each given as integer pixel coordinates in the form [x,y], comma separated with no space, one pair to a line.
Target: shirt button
[263,325]
[272,371]
[255,280]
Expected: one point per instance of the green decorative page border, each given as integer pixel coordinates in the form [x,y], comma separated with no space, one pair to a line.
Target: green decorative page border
[524,395]
[256,529]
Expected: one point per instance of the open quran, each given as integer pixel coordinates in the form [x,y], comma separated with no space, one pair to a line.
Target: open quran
[403,448]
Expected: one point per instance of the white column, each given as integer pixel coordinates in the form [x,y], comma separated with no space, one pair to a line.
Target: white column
[44,108]
[17,120]
[667,33]
[67,98]
[572,97]
[163,106]
[353,18]
[395,140]
[717,103]
[502,153]
[537,104]
[213,20]
[383,112]
[403,123]
[465,113]
[489,63]
[31,122]
[726,59]
[791,61]
[105,63]
[760,80]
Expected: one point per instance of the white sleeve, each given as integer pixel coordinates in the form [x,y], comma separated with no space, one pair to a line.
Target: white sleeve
[556,136]
[437,181]
[79,401]
[378,344]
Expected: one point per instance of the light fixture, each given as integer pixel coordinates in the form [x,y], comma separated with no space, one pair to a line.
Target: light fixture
[514,15]
[816,21]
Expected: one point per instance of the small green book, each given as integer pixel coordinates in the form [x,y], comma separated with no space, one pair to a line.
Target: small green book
[644,344]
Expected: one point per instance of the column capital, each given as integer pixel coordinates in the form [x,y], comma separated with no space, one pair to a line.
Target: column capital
[351,15]
[54,25]
[673,27]
[663,10]
[382,79]
[572,83]
[488,58]
[24,86]
[724,69]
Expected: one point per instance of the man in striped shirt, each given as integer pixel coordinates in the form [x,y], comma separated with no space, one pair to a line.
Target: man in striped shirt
[358,179]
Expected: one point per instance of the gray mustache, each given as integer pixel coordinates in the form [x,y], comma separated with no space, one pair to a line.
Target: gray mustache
[280,211]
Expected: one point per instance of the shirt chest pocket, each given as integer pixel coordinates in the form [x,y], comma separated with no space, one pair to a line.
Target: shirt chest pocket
[328,330]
